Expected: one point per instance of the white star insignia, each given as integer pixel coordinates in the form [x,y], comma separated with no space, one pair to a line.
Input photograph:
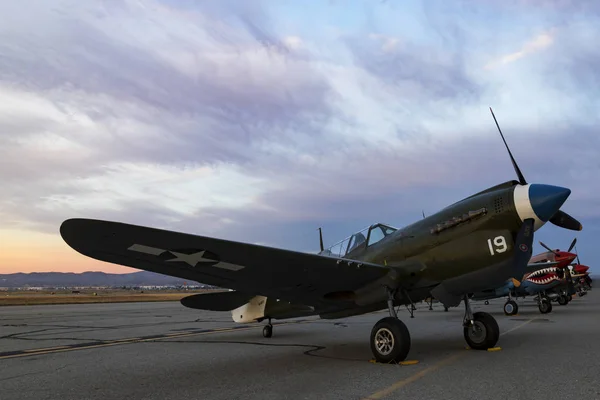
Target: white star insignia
[191,259]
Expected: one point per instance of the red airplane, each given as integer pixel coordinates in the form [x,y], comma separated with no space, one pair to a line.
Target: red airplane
[581,277]
[563,294]
[563,258]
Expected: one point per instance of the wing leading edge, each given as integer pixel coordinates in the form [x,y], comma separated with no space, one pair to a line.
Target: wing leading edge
[284,274]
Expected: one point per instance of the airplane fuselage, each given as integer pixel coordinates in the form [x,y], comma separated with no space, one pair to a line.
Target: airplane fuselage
[449,249]
[468,236]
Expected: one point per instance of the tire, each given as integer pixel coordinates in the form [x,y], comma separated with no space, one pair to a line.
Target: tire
[563,300]
[390,340]
[487,303]
[545,306]
[484,334]
[268,331]
[511,308]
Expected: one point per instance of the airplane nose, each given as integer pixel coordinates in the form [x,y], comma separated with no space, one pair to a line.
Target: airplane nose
[581,269]
[546,200]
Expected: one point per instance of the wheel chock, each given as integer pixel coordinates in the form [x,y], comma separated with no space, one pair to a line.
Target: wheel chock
[406,362]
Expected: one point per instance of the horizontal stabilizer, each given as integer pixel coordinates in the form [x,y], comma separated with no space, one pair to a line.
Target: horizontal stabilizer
[221,301]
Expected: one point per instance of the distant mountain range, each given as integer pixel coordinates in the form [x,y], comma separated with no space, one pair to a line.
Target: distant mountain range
[69,279]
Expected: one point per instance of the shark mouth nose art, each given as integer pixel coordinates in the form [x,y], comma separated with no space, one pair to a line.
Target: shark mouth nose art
[543,276]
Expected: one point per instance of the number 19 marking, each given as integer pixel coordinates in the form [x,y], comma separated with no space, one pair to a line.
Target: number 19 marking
[499,245]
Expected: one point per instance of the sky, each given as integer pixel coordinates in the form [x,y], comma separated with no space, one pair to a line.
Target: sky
[260,121]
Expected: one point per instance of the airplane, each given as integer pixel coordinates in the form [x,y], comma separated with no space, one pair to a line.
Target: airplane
[473,244]
[533,283]
[543,273]
[581,279]
[562,293]
[581,273]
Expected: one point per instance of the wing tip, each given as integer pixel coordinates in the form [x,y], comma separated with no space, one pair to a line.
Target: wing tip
[68,225]
[74,230]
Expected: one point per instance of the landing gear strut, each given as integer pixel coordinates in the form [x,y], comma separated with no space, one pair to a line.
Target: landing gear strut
[412,308]
[268,330]
[390,339]
[480,329]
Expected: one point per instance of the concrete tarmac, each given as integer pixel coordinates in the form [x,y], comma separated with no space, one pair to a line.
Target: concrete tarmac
[165,351]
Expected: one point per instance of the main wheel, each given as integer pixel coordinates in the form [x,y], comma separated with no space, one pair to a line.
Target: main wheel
[268,331]
[563,300]
[390,340]
[511,307]
[545,306]
[487,303]
[484,333]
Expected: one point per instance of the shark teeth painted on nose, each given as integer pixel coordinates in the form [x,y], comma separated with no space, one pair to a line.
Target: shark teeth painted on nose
[543,276]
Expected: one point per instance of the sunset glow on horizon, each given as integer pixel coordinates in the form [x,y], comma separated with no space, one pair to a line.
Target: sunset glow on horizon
[27,251]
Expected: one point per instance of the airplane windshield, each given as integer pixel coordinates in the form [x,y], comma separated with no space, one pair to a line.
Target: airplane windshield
[371,235]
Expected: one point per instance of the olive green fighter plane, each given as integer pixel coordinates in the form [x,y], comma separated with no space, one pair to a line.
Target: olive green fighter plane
[469,246]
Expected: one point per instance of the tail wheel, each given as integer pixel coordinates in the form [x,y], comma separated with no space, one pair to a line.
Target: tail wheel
[268,331]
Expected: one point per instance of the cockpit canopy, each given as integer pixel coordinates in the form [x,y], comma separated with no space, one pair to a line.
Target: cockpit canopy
[371,235]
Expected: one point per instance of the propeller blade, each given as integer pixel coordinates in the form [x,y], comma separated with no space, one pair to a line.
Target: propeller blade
[577,254]
[572,245]
[564,220]
[321,239]
[516,282]
[524,243]
[548,248]
[522,180]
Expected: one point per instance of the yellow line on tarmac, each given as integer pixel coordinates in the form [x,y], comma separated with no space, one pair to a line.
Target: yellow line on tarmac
[401,383]
[49,348]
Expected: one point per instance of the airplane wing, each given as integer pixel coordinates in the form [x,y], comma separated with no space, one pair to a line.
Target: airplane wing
[288,275]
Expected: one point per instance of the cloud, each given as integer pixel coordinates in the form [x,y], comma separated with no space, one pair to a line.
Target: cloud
[538,43]
[421,73]
[241,121]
